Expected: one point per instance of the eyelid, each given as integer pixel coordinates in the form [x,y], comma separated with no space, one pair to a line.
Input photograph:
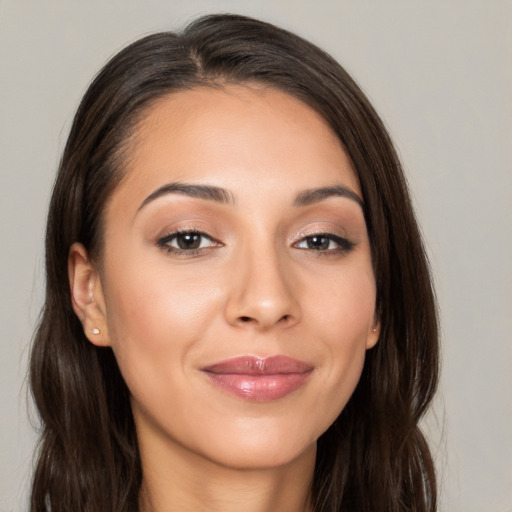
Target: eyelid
[163,242]
[185,229]
[344,243]
[171,236]
[319,229]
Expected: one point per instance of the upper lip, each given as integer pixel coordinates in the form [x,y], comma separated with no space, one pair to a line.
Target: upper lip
[253,365]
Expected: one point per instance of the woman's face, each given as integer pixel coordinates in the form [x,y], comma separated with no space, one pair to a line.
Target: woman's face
[236,279]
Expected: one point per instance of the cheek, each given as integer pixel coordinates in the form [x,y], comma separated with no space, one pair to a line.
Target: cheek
[155,318]
[151,298]
[345,317]
[346,308]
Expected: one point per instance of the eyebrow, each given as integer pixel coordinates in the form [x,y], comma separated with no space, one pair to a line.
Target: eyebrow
[208,192]
[315,195]
[223,196]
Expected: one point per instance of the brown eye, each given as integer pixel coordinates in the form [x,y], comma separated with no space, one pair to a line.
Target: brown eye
[186,242]
[318,243]
[326,243]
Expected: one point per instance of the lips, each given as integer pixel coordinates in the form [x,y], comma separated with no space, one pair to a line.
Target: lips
[257,379]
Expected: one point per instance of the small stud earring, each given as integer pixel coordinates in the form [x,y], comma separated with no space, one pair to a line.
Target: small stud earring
[374,329]
[95,331]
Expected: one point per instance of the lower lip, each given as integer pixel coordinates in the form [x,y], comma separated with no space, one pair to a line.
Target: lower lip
[259,388]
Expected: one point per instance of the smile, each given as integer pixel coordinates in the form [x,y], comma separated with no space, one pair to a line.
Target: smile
[259,380]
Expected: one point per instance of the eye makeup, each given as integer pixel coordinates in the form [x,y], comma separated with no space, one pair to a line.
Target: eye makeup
[325,244]
[189,228]
[187,242]
[191,242]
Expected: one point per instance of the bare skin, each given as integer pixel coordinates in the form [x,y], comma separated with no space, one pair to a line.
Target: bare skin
[191,484]
[236,233]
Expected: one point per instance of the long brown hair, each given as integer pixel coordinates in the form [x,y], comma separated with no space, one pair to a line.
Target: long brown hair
[374,457]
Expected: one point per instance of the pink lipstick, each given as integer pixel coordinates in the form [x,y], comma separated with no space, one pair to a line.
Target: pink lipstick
[257,379]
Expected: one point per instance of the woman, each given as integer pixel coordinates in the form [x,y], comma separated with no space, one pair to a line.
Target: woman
[239,312]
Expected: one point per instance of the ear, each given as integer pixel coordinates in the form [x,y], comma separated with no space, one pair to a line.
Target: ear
[87,296]
[373,334]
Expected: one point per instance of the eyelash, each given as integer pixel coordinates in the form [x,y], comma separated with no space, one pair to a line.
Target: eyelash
[343,244]
[164,242]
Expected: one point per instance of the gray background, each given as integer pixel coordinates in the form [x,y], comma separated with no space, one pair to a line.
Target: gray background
[440,74]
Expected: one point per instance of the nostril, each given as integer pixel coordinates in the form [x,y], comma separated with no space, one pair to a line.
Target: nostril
[250,319]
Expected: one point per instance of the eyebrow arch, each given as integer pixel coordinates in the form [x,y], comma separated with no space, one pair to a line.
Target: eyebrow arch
[316,195]
[208,192]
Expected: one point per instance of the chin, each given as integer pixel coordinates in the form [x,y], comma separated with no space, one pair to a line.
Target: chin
[261,445]
[257,457]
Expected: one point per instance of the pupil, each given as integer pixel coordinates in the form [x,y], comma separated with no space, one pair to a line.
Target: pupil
[189,241]
[320,243]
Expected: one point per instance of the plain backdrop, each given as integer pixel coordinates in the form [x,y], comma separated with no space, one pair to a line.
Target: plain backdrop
[439,73]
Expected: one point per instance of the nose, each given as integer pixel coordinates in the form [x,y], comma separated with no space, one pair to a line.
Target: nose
[262,293]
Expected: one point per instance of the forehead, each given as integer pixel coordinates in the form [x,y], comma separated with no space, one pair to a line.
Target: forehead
[236,137]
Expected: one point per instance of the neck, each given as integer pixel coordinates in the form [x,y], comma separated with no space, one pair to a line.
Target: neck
[195,484]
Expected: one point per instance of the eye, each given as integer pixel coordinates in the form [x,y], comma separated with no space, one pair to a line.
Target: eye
[325,242]
[186,242]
